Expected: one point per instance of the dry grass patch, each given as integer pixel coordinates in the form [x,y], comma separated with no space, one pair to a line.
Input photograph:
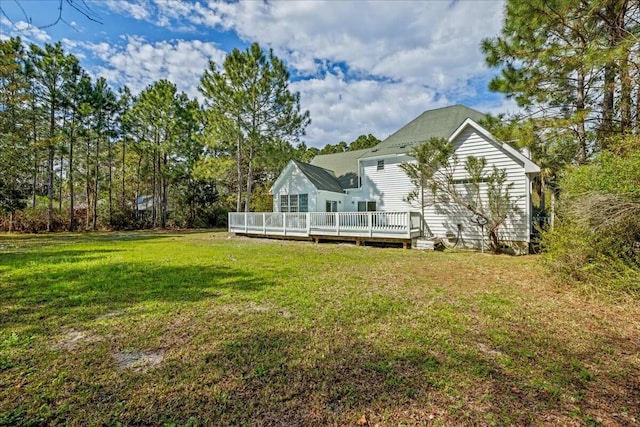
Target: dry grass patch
[200,329]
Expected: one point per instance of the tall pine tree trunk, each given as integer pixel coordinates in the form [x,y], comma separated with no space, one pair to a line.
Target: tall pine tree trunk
[71,192]
[109,153]
[60,185]
[543,204]
[35,156]
[52,127]
[154,222]
[625,95]
[124,146]
[88,184]
[239,164]
[580,110]
[138,171]
[95,185]
[638,99]
[34,183]
[247,203]
[164,191]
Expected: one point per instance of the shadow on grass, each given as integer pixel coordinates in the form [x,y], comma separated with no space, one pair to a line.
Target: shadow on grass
[93,288]
[20,259]
[264,373]
[271,377]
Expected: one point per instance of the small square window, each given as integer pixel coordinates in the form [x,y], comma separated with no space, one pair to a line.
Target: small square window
[380,165]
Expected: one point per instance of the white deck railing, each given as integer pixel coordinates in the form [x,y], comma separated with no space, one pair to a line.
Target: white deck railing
[402,225]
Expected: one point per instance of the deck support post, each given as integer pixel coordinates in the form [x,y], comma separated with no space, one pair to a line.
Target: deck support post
[408,213]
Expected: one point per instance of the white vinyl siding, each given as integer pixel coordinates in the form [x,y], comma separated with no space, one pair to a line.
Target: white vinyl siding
[443,219]
[341,200]
[388,187]
[294,183]
[391,187]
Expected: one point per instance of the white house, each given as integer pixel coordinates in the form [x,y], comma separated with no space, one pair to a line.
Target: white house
[371,180]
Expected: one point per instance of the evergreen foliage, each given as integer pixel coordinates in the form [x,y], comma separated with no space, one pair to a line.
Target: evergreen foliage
[596,239]
[75,154]
[574,67]
[249,112]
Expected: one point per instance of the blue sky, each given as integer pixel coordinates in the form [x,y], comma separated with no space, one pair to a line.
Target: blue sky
[360,67]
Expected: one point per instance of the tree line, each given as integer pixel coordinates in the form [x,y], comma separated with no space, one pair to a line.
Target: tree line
[77,154]
[574,68]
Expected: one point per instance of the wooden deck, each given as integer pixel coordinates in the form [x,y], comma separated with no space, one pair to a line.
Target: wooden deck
[394,227]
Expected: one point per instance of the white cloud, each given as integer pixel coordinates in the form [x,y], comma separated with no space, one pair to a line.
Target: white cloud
[343,110]
[367,67]
[139,9]
[433,43]
[26,31]
[138,63]
[400,58]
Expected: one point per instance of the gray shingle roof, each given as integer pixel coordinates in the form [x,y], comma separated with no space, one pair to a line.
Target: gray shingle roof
[439,123]
[344,166]
[321,178]
[340,170]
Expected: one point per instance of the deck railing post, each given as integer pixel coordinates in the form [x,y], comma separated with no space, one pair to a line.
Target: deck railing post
[284,223]
[245,222]
[308,219]
[264,223]
[370,219]
[408,213]
[337,221]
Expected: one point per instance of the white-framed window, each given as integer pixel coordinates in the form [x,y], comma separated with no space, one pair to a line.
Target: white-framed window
[294,203]
[366,206]
[303,202]
[331,206]
[380,165]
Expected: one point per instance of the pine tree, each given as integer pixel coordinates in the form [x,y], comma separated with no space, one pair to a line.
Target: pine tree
[249,105]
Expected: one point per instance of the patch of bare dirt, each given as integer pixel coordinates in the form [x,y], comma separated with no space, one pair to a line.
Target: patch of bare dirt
[110,314]
[138,361]
[75,338]
[253,308]
[489,351]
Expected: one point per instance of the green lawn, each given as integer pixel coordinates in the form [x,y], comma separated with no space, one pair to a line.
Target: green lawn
[203,328]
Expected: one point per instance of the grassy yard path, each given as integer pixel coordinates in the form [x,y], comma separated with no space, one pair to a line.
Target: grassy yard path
[152,328]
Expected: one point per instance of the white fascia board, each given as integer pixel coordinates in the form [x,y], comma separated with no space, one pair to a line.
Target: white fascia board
[529,166]
[285,172]
[385,156]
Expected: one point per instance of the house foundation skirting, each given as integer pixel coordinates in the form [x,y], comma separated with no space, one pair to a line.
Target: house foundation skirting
[359,241]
